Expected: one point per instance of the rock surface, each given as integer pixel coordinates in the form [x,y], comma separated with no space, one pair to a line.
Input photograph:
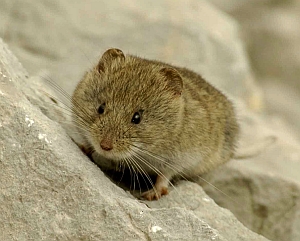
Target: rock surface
[271,31]
[50,191]
[264,190]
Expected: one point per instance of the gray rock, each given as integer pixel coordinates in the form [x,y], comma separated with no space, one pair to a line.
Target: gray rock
[263,190]
[50,191]
[267,203]
[271,32]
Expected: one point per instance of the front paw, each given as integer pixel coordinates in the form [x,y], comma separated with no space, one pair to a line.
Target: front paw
[155,194]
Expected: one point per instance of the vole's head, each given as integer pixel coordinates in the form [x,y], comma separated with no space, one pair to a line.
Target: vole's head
[125,105]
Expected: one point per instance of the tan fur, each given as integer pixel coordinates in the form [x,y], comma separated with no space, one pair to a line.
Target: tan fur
[187,125]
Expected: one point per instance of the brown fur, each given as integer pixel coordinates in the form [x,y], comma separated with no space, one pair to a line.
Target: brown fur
[187,126]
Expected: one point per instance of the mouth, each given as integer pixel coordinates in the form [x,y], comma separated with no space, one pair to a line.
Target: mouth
[113,155]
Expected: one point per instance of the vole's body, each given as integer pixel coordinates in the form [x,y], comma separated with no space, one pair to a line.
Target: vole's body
[155,117]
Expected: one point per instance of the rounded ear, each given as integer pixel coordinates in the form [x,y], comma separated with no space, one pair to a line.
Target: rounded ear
[173,80]
[111,57]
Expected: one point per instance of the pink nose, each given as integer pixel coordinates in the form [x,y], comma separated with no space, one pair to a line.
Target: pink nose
[106,145]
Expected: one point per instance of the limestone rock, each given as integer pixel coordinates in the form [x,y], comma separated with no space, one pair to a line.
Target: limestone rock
[263,190]
[271,32]
[51,191]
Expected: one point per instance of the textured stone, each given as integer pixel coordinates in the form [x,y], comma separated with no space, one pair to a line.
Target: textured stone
[271,32]
[50,190]
[264,190]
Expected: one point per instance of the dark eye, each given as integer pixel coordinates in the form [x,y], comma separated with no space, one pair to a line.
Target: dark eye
[136,119]
[101,108]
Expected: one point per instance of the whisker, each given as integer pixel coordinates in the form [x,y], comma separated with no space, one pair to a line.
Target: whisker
[70,113]
[78,126]
[158,157]
[56,87]
[156,170]
[129,128]
[146,174]
[129,167]
[67,96]
[137,176]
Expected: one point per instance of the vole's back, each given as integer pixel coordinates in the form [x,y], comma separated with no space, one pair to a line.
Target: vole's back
[210,118]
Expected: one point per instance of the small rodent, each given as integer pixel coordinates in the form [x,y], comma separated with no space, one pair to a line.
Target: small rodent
[155,117]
